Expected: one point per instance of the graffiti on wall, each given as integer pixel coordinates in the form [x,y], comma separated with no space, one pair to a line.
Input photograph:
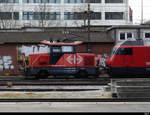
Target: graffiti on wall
[6,63]
[33,49]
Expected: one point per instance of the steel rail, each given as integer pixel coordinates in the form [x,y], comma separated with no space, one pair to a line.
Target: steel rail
[73,100]
[53,79]
[57,82]
[46,90]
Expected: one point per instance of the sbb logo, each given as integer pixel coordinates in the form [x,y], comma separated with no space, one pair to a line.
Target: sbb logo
[74,59]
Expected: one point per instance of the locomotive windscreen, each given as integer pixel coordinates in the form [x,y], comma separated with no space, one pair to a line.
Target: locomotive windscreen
[133,43]
[136,43]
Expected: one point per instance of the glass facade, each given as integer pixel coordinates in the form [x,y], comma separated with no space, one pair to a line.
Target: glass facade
[113,1]
[41,1]
[81,16]
[9,1]
[41,15]
[82,1]
[114,15]
[9,15]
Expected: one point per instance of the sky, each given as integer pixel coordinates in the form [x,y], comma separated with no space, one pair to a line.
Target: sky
[136,7]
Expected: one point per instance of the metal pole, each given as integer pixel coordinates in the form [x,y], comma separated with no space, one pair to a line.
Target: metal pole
[141,11]
[89,34]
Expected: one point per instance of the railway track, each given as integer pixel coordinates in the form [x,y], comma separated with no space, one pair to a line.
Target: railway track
[75,100]
[45,85]
[17,81]
[45,90]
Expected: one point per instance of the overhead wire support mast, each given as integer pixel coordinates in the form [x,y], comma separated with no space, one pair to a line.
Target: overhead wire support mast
[141,11]
[89,34]
[89,12]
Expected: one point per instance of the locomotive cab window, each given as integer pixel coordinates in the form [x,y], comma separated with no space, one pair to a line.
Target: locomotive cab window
[56,49]
[124,51]
[62,49]
[67,49]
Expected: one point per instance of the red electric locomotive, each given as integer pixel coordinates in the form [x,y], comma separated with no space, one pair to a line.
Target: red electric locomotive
[129,58]
[62,60]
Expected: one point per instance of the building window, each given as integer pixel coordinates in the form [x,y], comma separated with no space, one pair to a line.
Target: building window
[96,16]
[41,1]
[147,35]
[114,15]
[37,16]
[73,15]
[54,1]
[95,1]
[25,1]
[9,1]
[44,1]
[6,15]
[82,1]
[9,15]
[80,16]
[129,35]
[113,1]
[25,16]
[74,1]
[125,35]
[54,16]
[16,1]
[69,16]
[30,16]
[57,16]
[41,15]
[122,36]
[36,1]
[16,15]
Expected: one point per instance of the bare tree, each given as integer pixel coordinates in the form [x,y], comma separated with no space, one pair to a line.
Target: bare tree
[80,15]
[46,17]
[8,18]
[43,9]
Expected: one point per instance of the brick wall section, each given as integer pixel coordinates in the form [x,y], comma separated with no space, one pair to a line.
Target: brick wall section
[101,48]
[10,65]
[96,48]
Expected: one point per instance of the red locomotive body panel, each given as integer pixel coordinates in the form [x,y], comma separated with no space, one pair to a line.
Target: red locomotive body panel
[36,60]
[62,60]
[129,60]
[140,58]
[67,60]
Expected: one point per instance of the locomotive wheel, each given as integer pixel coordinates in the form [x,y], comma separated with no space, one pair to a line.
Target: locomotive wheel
[42,74]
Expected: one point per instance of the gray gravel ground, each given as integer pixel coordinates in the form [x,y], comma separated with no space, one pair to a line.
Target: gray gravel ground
[99,93]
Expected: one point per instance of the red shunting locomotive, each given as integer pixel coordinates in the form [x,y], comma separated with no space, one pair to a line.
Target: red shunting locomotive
[129,58]
[62,60]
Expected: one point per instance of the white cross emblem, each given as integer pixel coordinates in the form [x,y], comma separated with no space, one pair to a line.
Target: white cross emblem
[73,59]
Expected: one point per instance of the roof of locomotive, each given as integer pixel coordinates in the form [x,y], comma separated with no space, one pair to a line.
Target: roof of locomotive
[61,43]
